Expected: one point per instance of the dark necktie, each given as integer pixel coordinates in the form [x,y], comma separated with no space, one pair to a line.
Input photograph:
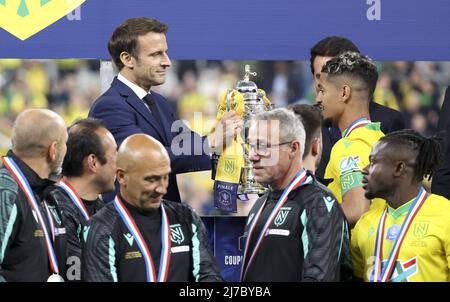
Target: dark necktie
[149,100]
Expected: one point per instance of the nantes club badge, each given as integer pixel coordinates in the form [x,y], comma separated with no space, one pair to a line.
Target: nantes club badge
[24,18]
[176,233]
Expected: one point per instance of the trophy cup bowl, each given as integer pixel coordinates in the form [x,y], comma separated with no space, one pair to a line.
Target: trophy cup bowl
[254,104]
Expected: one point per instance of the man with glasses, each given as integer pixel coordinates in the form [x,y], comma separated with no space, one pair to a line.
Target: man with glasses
[296,231]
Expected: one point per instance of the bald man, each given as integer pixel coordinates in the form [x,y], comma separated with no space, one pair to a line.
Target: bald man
[31,229]
[141,237]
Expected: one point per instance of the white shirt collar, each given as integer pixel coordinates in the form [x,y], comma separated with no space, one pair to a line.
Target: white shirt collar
[141,93]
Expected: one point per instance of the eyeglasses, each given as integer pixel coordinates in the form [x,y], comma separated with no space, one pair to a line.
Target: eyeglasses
[264,149]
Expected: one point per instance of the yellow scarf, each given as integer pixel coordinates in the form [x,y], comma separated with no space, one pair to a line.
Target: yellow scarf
[231,161]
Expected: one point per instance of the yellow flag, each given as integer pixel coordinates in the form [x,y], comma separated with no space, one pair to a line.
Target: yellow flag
[24,18]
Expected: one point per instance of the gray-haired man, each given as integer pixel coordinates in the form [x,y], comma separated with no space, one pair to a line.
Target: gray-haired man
[296,231]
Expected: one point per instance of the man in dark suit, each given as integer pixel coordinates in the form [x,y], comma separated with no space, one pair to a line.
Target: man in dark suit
[138,48]
[390,119]
[441,179]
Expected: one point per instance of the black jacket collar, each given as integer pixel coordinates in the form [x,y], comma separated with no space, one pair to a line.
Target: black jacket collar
[37,184]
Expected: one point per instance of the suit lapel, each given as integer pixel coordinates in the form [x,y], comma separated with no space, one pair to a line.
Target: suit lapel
[139,106]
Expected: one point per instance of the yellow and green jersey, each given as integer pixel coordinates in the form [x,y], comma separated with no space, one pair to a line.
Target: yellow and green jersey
[425,252]
[348,158]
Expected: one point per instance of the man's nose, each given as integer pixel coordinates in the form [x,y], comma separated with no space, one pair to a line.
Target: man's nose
[166,60]
[365,170]
[161,188]
[252,155]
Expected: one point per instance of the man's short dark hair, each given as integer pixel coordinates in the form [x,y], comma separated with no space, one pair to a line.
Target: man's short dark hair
[125,37]
[355,66]
[331,47]
[312,121]
[83,141]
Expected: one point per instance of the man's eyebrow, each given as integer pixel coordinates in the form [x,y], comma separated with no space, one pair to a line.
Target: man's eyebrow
[151,176]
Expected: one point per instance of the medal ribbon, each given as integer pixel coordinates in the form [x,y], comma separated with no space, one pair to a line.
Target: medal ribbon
[356,124]
[165,241]
[298,180]
[383,275]
[25,187]
[50,220]
[73,195]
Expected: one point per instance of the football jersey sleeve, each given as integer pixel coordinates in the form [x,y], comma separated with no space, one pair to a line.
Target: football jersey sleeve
[349,163]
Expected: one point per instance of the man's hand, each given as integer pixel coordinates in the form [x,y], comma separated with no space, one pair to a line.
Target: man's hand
[226,130]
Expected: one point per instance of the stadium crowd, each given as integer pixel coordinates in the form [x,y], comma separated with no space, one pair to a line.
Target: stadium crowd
[70,86]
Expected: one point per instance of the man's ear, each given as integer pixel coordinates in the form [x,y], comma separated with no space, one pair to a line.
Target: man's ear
[346,92]
[121,177]
[400,168]
[315,147]
[92,162]
[127,59]
[295,147]
[52,151]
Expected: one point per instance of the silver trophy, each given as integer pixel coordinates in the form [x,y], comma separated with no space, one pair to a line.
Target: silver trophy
[254,104]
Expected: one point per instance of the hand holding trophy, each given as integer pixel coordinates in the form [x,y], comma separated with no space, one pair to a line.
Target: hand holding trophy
[233,174]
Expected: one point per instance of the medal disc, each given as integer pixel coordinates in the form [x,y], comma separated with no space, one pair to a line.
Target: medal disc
[55,278]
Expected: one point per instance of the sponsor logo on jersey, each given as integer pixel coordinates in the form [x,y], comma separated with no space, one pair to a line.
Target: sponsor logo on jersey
[392,232]
[129,238]
[281,216]
[349,163]
[404,270]
[176,233]
[329,201]
[180,249]
[420,229]
[278,232]
[133,255]
[38,233]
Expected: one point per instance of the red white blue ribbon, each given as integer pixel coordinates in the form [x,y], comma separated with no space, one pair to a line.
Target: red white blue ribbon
[383,275]
[356,124]
[298,180]
[25,187]
[50,220]
[73,195]
[165,242]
